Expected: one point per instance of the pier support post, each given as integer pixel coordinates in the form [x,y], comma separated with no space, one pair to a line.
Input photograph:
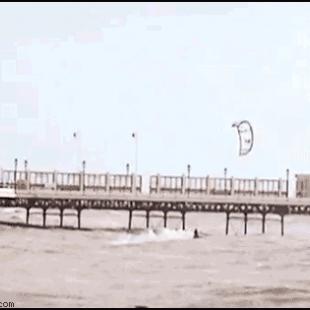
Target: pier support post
[183,184]
[26,174]
[263,222]
[158,184]
[183,220]
[147,219]
[232,189]
[165,219]
[130,220]
[15,174]
[208,185]
[54,179]
[83,176]
[282,225]
[44,217]
[61,217]
[280,187]
[287,182]
[245,223]
[225,180]
[134,183]
[27,215]
[82,180]
[256,187]
[79,211]
[227,223]
[107,182]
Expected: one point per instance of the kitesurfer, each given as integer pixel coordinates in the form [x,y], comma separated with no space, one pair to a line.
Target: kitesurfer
[196,235]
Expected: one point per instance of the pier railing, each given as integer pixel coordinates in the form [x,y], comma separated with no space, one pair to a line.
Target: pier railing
[218,186]
[70,181]
[130,183]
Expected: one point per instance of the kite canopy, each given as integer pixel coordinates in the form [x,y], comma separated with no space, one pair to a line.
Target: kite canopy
[246,137]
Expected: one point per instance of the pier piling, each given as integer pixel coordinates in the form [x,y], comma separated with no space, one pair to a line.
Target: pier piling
[245,223]
[27,215]
[227,223]
[263,222]
[165,219]
[147,219]
[282,225]
[183,220]
[44,217]
[79,211]
[130,220]
[61,215]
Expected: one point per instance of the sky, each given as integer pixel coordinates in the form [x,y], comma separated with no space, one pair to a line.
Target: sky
[177,74]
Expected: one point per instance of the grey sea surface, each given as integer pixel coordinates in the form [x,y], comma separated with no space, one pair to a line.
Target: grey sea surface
[105,266]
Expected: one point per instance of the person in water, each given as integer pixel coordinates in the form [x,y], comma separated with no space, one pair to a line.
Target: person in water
[196,235]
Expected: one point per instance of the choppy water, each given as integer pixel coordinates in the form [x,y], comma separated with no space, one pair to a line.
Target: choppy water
[107,267]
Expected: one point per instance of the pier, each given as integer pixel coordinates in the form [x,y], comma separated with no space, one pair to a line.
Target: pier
[81,191]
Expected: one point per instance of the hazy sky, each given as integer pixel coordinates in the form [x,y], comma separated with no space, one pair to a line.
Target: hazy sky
[178,74]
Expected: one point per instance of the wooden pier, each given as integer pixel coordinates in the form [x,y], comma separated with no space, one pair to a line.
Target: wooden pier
[82,191]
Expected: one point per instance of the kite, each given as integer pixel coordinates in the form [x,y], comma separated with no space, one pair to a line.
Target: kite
[246,137]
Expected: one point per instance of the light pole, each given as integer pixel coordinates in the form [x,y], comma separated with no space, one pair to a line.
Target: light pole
[127,168]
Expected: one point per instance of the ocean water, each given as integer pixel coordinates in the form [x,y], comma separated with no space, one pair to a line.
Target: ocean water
[105,266]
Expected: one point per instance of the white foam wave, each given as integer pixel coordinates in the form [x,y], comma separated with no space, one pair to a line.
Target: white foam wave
[151,235]
[11,210]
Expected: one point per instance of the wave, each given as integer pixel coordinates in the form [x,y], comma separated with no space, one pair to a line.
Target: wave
[153,235]
[11,210]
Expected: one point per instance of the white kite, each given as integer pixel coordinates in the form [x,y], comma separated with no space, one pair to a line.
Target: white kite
[246,137]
